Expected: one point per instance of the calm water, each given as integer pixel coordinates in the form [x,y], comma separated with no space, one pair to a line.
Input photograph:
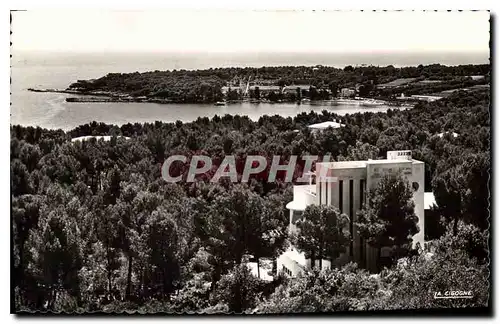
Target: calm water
[50,110]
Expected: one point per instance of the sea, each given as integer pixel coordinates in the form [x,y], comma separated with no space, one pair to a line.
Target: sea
[60,69]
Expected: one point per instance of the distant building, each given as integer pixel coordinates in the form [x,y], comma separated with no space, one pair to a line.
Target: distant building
[225,89]
[452,134]
[348,192]
[259,81]
[263,89]
[426,98]
[325,125]
[347,92]
[97,138]
[293,88]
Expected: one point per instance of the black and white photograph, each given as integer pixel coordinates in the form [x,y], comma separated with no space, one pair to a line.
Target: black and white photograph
[250,162]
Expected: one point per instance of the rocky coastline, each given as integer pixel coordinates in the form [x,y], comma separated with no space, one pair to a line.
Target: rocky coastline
[102,96]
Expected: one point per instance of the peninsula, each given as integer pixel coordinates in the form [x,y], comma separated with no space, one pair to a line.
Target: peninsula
[281,84]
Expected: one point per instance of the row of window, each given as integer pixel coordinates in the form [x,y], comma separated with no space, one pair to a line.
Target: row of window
[287,271]
[350,212]
[362,185]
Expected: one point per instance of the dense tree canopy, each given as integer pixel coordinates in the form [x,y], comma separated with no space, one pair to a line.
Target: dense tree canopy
[323,233]
[411,285]
[95,227]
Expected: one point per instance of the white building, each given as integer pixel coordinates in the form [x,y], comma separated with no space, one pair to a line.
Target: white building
[348,193]
[106,138]
[225,89]
[347,92]
[325,125]
[293,88]
[426,98]
[266,88]
[453,134]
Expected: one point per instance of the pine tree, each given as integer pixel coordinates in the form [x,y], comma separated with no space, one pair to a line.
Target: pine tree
[388,219]
[323,233]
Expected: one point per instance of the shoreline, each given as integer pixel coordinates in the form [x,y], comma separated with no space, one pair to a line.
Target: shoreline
[112,97]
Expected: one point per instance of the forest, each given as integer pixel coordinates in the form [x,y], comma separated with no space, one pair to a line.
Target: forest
[96,228]
[205,86]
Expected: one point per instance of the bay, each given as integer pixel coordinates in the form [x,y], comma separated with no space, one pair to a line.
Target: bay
[58,70]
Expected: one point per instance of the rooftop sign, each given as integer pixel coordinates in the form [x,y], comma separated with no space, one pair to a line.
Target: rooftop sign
[398,155]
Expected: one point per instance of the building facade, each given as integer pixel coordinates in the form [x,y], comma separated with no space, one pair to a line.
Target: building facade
[347,92]
[348,192]
[266,89]
[293,88]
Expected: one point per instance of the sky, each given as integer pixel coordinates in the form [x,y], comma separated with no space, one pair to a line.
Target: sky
[249,31]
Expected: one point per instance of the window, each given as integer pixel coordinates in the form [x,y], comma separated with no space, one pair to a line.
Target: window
[361,192]
[320,192]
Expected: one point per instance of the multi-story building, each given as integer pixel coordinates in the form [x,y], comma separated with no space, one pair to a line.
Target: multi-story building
[347,190]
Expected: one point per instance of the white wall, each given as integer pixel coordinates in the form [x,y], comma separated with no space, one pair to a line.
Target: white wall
[293,260]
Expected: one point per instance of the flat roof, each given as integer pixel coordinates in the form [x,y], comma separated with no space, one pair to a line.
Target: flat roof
[388,161]
[362,164]
[343,164]
[326,124]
